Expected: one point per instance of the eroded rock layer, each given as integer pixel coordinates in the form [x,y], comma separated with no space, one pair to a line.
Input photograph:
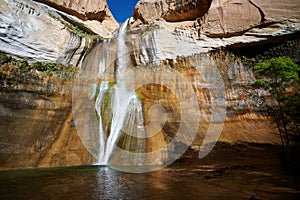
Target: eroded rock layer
[86,9]
[37,33]
[37,127]
[217,18]
[95,14]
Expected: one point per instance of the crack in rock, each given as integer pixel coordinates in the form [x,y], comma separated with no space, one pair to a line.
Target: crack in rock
[261,12]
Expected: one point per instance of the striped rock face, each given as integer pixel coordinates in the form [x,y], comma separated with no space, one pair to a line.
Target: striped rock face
[216,18]
[38,32]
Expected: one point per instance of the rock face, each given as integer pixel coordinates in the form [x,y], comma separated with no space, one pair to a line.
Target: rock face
[225,17]
[39,33]
[216,18]
[85,10]
[93,12]
[218,24]
[36,123]
[172,10]
[35,32]
[38,118]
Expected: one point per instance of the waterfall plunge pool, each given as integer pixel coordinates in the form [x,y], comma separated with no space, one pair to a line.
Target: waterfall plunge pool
[228,172]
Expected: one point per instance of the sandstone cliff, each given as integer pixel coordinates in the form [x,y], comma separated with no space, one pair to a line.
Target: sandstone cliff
[83,9]
[38,32]
[36,126]
[95,13]
[216,18]
[37,113]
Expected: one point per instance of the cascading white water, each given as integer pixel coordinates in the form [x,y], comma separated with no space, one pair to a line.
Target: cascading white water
[122,94]
[126,108]
[115,133]
[102,136]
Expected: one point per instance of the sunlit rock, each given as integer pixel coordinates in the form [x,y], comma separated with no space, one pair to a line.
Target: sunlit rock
[36,32]
[141,89]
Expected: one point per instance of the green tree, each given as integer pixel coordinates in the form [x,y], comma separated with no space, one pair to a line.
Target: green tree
[280,76]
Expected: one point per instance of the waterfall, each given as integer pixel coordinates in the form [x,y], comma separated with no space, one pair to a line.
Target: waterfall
[122,94]
[116,112]
[126,108]
[102,137]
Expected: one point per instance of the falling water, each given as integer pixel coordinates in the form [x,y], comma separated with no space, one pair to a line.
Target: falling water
[102,137]
[126,107]
[116,134]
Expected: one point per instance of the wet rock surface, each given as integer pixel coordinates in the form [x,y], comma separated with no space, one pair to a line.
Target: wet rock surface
[36,123]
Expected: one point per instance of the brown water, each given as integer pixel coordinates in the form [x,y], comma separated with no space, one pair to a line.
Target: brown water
[99,182]
[228,172]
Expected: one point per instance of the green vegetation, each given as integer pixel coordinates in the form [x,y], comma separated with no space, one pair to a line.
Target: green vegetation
[18,69]
[139,95]
[290,49]
[76,29]
[81,32]
[258,83]
[279,71]
[4,58]
[280,76]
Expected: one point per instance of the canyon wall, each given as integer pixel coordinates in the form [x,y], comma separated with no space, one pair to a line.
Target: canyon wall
[217,18]
[95,15]
[37,128]
[37,32]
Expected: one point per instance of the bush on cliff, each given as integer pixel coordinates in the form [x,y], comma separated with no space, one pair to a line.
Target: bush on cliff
[280,76]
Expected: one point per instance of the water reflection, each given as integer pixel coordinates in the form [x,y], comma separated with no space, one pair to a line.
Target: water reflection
[87,182]
[111,184]
[100,182]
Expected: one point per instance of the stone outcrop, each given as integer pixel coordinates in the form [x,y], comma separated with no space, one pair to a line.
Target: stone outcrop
[83,9]
[230,17]
[204,24]
[172,10]
[216,18]
[37,128]
[93,12]
[219,24]
[37,33]
[38,117]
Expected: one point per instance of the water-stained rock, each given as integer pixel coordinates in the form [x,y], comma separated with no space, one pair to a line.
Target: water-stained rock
[36,32]
[36,126]
[216,18]
[171,10]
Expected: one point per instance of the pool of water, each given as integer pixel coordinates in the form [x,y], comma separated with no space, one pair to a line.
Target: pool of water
[239,178]
[101,182]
